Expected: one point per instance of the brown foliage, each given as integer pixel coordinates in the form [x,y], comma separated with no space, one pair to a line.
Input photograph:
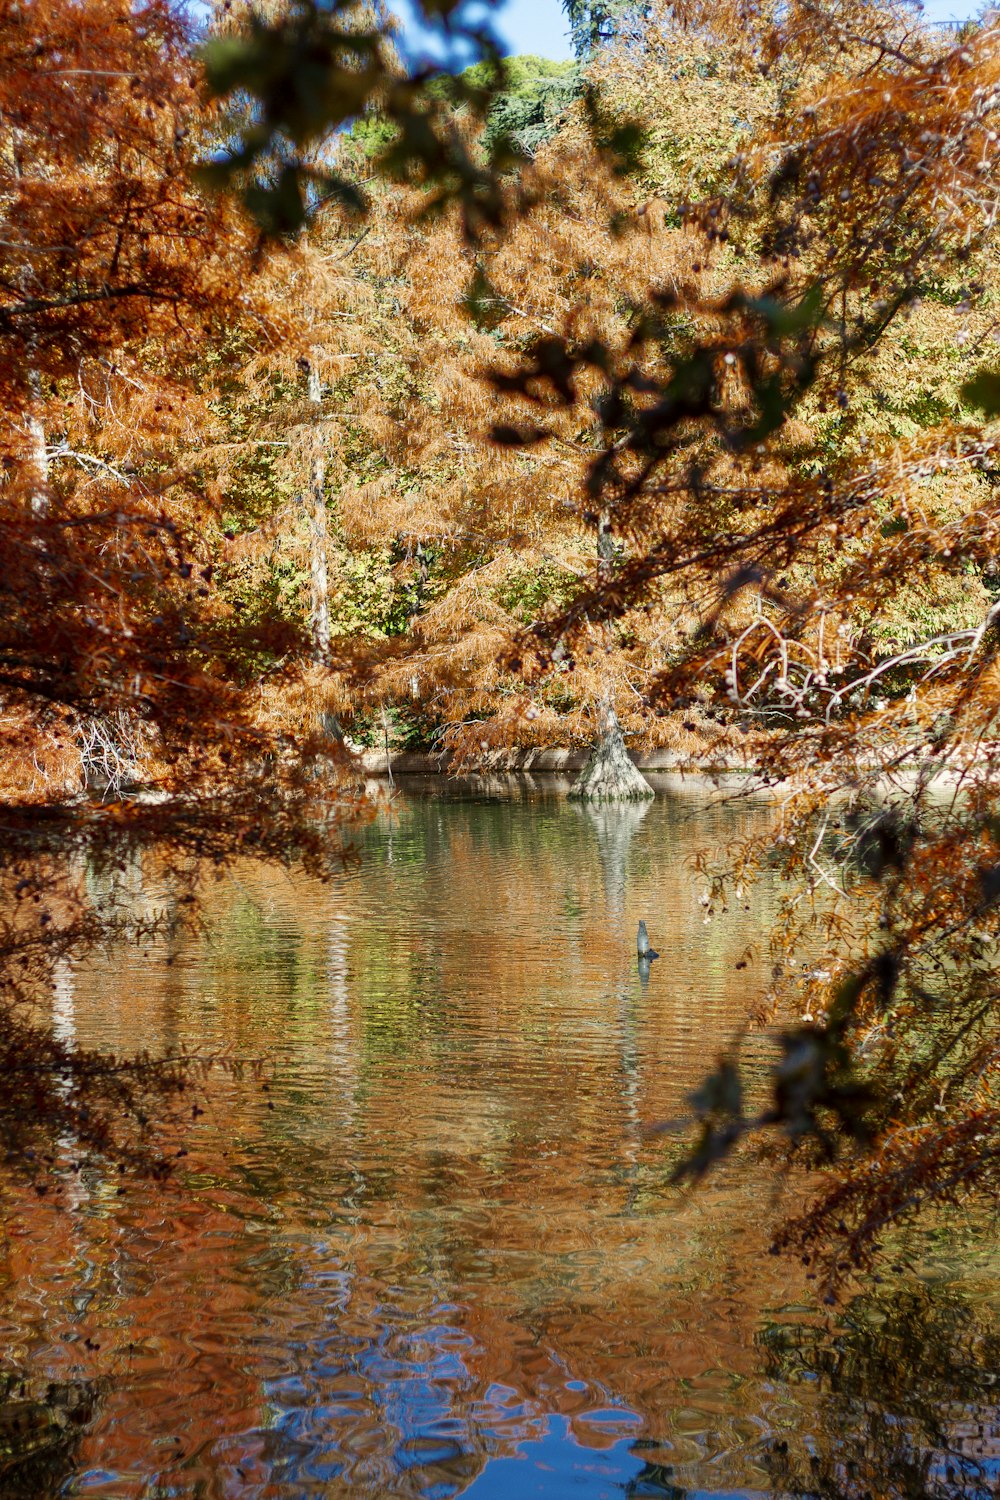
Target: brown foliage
[104,243]
[123,289]
[805,544]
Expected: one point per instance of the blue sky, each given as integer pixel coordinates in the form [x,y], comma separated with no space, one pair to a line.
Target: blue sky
[539,26]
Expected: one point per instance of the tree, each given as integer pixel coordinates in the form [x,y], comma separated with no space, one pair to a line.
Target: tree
[475,553]
[120,287]
[467,544]
[869,197]
[110,270]
[759,456]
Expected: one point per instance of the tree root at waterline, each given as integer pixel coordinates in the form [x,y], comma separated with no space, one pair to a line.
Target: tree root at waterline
[609,775]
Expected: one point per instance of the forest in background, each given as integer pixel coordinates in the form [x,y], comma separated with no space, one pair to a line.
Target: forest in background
[484,411]
[420,554]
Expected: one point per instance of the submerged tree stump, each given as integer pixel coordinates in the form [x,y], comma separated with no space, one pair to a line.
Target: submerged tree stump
[609,775]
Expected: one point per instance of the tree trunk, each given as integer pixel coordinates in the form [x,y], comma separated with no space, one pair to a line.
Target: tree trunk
[319,580]
[609,775]
[607,552]
[615,825]
[39,463]
[38,459]
[38,453]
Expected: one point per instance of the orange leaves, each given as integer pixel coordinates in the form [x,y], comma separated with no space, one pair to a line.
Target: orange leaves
[126,300]
[102,242]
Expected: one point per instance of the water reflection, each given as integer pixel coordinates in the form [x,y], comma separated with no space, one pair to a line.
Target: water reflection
[929,1355]
[436,1252]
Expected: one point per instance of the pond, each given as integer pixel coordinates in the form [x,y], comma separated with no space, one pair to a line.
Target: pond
[434,1249]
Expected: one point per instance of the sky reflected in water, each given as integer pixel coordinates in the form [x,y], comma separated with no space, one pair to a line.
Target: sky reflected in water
[434,1250]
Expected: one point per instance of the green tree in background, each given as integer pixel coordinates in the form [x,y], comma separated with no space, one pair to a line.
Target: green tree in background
[530,103]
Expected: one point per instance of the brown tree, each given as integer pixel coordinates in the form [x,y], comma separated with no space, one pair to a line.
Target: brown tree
[123,290]
[828,537]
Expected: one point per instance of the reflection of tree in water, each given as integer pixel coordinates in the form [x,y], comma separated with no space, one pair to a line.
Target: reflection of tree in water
[907,1401]
[614,824]
[654,1482]
[40,1425]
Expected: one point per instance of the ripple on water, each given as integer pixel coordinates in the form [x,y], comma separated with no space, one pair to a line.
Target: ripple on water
[434,1250]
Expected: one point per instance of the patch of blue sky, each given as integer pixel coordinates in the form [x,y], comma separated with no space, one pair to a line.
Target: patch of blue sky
[540,26]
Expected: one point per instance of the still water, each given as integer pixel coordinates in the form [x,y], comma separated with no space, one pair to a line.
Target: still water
[434,1249]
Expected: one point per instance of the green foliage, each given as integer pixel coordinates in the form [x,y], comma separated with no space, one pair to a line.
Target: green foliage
[523,103]
[534,98]
[309,73]
[914,613]
[405,727]
[927,409]
[529,592]
[367,599]
[262,595]
[373,133]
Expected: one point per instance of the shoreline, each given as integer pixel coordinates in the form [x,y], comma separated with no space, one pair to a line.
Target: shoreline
[666,770]
[437,763]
